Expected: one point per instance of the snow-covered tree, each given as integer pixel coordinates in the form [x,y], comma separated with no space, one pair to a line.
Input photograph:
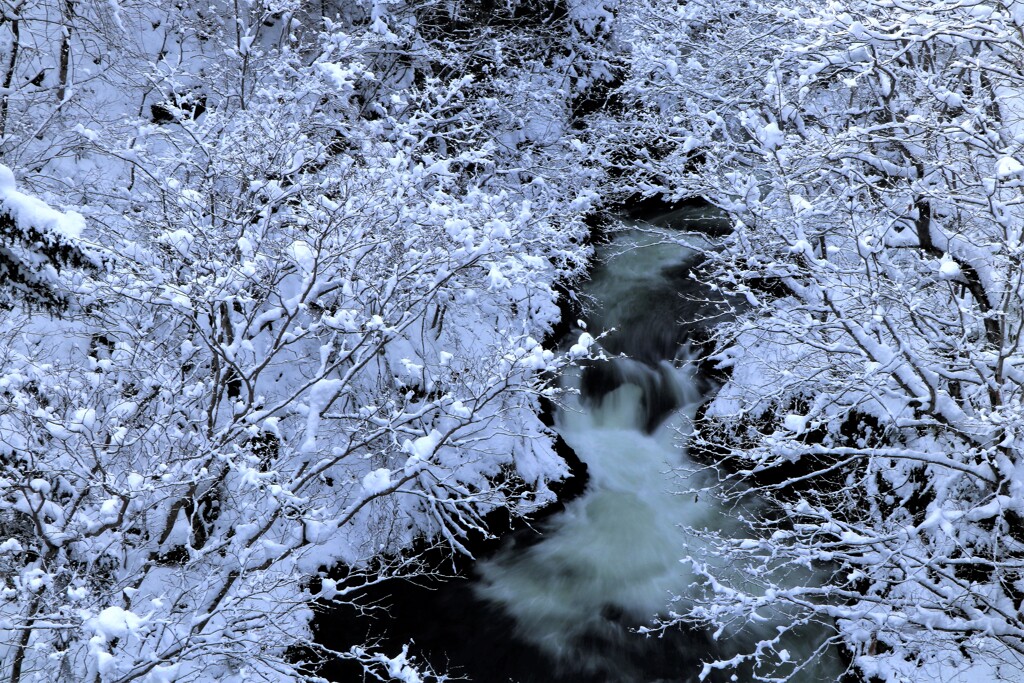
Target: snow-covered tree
[869,156]
[330,235]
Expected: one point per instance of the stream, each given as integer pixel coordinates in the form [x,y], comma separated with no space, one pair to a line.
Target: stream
[562,603]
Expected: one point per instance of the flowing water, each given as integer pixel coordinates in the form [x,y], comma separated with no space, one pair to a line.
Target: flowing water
[564,605]
[612,560]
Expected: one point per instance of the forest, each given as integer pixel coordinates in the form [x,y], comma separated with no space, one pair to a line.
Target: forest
[290,290]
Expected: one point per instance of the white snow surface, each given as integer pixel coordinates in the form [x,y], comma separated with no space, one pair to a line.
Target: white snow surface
[28,210]
[377,481]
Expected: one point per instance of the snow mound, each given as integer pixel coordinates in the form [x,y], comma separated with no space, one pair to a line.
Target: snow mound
[115,622]
[26,210]
[377,481]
